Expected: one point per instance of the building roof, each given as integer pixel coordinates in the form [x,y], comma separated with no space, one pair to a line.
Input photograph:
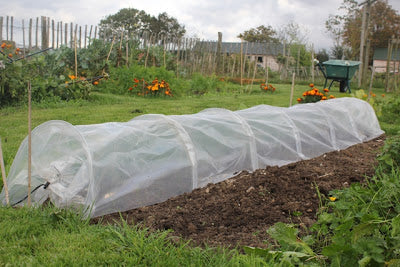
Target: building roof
[248,48]
[382,54]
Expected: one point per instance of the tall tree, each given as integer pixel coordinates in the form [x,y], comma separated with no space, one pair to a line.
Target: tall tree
[130,20]
[260,34]
[293,33]
[384,22]
[164,24]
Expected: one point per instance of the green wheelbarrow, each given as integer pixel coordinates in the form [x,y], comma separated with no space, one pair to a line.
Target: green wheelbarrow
[339,71]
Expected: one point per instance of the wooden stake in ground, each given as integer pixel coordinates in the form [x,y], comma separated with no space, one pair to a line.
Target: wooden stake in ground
[241,64]
[29,144]
[292,90]
[3,173]
[108,56]
[370,83]
[76,57]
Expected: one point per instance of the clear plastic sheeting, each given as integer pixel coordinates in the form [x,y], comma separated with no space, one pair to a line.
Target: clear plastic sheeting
[117,166]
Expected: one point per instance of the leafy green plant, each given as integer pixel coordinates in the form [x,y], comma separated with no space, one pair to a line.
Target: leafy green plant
[389,158]
[362,226]
[292,251]
[200,85]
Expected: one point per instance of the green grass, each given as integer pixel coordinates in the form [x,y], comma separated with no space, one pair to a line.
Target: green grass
[52,237]
[48,236]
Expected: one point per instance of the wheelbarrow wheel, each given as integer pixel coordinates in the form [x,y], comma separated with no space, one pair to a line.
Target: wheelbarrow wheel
[343,86]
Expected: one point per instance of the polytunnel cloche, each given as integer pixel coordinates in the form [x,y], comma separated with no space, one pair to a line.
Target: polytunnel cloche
[117,166]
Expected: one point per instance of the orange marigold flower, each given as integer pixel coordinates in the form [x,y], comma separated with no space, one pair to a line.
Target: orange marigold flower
[18,49]
[299,99]
[3,45]
[323,98]
[383,95]
[326,90]
[373,95]
[311,85]
[305,93]
[10,55]
[135,80]
[331,96]
[72,77]
[9,46]
[130,89]
[97,82]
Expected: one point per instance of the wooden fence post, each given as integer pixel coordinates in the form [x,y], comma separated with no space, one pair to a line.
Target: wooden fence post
[389,59]
[66,34]
[45,40]
[30,35]
[12,29]
[8,18]
[23,37]
[90,34]
[84,37]
[365,65]
[71,31]
[48,32]
[61,33]
[80,37]
[1,29]
[58,33]
[52,34]
[37,33]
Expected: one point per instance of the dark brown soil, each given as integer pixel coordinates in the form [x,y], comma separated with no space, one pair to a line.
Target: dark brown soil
[238,211]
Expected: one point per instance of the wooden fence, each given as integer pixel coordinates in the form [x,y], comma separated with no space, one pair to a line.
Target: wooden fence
[44,32]
[190,54]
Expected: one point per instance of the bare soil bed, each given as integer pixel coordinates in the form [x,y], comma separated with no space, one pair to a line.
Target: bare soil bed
[238,211]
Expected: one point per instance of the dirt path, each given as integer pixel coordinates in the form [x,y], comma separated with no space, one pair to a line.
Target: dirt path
[238,211]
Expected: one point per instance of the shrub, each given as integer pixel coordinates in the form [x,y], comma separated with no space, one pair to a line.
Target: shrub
[122,78]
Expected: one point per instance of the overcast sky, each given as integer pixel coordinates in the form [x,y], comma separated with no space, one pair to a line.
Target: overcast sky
[202,18]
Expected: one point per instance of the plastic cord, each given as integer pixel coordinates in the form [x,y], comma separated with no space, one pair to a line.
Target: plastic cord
[45,185]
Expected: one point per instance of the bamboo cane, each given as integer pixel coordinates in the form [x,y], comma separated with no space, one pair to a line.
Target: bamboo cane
[76,57]
[370,83]
[3,173]
[109,53]
[292,90]
[29,144]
